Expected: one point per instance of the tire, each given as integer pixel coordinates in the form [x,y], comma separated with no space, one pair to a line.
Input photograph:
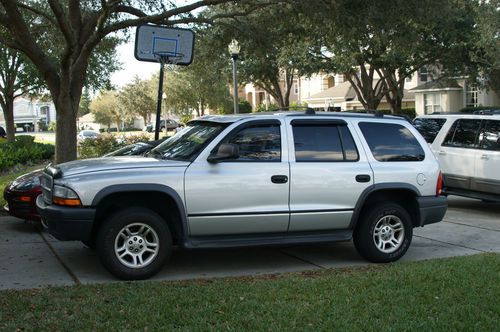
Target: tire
[142,239]
[395,231]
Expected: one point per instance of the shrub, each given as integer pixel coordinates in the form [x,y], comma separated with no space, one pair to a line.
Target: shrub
[52,126]
[106,143]
[245,107]
[186,118]
[24,151]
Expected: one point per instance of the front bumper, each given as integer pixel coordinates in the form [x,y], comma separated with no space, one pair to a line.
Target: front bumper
[66,223]
[432,209]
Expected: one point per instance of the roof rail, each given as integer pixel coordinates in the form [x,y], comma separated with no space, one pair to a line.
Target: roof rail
[487,112]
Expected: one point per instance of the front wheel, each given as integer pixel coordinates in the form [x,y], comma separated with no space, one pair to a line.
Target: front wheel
[134,244]
[384,233]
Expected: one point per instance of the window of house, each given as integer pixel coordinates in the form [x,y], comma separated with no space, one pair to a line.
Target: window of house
[471,95]
[296,88]
[423,74]
[432,103]
[391,142]
[323,143]
[258,143]
[462,134]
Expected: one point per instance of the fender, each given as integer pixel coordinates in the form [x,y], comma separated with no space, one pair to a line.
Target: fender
[137,187]
[374,188]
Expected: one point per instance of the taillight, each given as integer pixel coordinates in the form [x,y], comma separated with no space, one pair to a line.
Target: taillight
[439,184]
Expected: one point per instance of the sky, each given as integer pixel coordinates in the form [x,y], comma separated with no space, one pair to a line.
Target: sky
[131,66]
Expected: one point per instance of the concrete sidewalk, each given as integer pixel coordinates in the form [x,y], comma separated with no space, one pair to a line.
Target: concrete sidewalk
[32,258]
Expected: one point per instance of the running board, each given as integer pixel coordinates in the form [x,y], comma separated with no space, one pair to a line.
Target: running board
[472,194]
[267,239]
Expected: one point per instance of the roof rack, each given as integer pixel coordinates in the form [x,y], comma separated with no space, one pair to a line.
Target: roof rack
[487,112]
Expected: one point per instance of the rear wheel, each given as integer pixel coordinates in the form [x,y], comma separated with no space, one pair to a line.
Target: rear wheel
[384,233]
[134,244]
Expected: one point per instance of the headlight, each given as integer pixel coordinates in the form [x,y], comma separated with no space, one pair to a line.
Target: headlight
[65,196]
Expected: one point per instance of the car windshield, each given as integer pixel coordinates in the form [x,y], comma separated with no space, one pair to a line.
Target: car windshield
[188,143]
[130,150]
[89,134]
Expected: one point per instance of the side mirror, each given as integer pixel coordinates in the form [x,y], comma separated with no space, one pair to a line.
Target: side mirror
[225,152]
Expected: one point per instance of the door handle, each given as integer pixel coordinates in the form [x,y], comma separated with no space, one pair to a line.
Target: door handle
[485,157]
[363,178]
[442,153]
[279,179]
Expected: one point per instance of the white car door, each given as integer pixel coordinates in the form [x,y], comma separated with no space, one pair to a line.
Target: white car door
[487,168]
[457,153]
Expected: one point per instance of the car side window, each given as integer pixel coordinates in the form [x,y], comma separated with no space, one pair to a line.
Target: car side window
[489,139]
[463,134]
[257,143]
[429,127]
[323,143]
[391,142]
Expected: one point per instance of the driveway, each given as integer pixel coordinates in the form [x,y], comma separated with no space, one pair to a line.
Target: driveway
[32,258]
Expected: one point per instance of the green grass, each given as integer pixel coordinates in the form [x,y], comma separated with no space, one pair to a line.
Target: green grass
[450,294]
[9,176]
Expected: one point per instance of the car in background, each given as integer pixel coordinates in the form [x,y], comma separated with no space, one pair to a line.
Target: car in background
[87,134]
[171,125]
[21,194]
[468,149]
[3,134]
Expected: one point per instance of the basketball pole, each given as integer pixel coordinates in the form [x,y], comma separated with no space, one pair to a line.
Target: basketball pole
[158,104]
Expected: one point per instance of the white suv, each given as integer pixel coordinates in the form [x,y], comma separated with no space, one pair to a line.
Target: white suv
[468,149]
[269,179]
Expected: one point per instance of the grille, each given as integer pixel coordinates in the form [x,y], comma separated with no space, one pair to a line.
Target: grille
[46,183]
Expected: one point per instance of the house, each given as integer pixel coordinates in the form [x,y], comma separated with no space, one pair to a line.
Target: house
[32,114]
[451,95]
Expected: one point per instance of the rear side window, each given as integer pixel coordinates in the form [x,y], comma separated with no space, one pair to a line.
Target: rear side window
[391,142]
[323,143]
[428,128]
[463,134]
[489,139]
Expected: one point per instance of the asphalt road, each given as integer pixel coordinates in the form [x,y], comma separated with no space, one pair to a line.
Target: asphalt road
[32,258]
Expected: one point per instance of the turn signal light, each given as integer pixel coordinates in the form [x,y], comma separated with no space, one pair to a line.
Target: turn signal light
[67,201]
[24,199]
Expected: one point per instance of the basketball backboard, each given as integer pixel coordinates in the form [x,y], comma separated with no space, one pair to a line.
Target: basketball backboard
[154,41]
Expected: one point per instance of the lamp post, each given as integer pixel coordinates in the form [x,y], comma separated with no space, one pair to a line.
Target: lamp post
[234,50]
[164,97]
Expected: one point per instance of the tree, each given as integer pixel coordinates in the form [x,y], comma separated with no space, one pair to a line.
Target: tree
[377,44]
[272,48]
[78,28]
[106,109]
[17,77]
[138,98]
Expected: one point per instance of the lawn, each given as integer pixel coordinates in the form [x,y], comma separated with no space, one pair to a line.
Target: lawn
[9,176]
[450,294]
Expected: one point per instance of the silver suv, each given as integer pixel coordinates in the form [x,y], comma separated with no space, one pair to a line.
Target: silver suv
[271,179]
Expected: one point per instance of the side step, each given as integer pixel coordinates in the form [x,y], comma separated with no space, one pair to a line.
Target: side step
[472,194]
[267,239]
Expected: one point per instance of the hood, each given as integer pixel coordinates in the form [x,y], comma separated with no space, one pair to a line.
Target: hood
[115,163]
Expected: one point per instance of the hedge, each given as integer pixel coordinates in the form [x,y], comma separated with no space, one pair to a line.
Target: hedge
[23,150]
[470,110]
[106,143]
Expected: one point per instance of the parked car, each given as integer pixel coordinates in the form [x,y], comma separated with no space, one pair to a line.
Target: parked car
[468,149]
[171,125]
[86,134]
[21,194]
[271,179]
[3,133]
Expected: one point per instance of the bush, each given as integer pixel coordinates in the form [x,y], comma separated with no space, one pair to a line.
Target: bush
[244,107]
[186,118]
[106,143]
[470,110]
[52,126]
[24,151]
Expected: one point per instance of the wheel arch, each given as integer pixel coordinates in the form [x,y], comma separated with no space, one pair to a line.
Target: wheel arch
[400,193]
[161,199]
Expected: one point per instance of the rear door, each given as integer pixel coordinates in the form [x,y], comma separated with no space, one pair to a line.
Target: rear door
[457,153]
[487,167]
[328,174]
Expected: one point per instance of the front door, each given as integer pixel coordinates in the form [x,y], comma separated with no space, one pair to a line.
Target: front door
[245,195]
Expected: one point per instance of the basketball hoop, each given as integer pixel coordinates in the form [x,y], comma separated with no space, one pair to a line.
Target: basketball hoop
[169,59]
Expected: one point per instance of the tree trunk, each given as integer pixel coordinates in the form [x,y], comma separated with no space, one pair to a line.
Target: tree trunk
[8,114]
[66,131]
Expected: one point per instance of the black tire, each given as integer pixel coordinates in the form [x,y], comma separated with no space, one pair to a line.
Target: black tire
[365,241]
[133,218]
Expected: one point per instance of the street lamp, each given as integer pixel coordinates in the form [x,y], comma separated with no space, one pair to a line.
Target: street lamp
[234,50]
[164,97]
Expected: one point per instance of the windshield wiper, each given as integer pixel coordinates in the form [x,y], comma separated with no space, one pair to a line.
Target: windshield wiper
[153,153]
